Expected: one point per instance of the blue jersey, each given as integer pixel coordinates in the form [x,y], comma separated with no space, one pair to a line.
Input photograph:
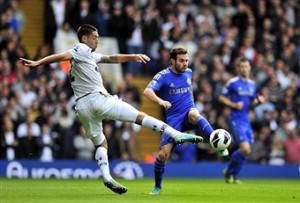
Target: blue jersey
[240,90]
[175,88]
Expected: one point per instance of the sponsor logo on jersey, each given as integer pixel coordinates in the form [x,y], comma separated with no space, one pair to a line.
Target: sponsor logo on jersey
[181,90]
[246,92]
[76,48]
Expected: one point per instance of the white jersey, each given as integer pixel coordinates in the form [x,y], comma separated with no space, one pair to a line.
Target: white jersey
[85,73]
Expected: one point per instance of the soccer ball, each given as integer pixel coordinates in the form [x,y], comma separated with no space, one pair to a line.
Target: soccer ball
[220,139]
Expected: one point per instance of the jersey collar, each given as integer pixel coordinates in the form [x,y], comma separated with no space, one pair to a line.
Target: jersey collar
[89,49]
[172,71]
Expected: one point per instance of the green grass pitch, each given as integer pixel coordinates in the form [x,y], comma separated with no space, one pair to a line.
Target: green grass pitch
[174,190]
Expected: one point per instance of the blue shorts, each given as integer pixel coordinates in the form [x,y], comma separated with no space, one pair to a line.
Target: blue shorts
[180,123]
[241,131]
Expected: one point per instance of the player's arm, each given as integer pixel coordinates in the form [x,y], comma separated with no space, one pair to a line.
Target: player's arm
[235,105]
[63,56]
[150,94]
[122,58]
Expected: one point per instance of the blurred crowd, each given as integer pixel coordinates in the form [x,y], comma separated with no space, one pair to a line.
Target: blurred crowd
[36,106]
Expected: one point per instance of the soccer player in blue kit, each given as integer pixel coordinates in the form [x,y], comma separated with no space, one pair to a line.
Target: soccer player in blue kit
[172,89]
[239,94]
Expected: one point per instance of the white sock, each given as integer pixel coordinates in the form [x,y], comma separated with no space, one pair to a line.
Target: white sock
[159,126]
[102,161]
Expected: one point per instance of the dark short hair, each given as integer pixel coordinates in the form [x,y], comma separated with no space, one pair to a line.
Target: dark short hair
[85,29]
[175,51]
[241,59]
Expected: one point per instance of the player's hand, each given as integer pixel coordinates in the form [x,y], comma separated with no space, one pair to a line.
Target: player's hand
[165,104]
[29,63]
[239,105]
[141,58]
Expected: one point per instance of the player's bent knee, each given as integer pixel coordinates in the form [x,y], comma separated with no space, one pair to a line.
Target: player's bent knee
[246,151]
[245,148]
[194,116]
[140,117]
[162,156]
[98,140]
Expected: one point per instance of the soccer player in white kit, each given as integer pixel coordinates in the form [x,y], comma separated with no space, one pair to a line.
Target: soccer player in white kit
[94,103]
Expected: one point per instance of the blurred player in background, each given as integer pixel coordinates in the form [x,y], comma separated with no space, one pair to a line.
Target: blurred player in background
[172,89]
[94,103]
[239,94]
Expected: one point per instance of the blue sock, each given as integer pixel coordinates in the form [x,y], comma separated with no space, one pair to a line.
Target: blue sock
[236,163]
[205,128]
[159,168]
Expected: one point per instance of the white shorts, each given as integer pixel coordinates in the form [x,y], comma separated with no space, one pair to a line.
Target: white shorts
[95,107]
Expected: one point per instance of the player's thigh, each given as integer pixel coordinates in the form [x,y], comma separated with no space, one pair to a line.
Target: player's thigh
[188,124]
[92,126]
[117,109]
[239,131]
[249,134]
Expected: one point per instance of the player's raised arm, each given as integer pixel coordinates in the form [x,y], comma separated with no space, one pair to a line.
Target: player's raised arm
[122,58]
[63,56]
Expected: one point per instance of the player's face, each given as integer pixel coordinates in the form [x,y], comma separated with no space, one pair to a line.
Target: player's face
[181,63]
[244,69]
[92,40]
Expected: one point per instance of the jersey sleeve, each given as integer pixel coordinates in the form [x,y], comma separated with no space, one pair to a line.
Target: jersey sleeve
[226,90]
[97,57]
[78,52]
[255,93]
[156,83]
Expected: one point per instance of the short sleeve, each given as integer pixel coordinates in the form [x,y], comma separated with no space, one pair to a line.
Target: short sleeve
[97,57]
[156,83]
[79,51]
[226,89]
[254,93]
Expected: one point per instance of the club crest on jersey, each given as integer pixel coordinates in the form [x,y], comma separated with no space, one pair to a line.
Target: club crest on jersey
[189,81]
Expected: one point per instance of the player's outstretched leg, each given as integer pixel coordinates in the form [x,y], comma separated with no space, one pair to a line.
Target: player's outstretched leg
[115,186]
[185,137]
[179,137]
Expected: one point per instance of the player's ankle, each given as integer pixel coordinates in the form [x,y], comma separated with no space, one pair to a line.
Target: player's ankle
[107,178]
